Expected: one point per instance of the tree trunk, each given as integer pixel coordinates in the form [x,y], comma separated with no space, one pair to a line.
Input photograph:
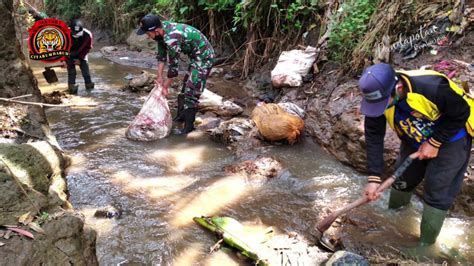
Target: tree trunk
[16,77]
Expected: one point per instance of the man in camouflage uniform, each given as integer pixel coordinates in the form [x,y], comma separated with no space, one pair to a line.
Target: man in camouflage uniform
[173,39]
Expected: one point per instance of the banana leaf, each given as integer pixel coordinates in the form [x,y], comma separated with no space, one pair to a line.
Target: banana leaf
[248,242]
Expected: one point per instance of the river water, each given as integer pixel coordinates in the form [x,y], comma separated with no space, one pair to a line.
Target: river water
[162,185]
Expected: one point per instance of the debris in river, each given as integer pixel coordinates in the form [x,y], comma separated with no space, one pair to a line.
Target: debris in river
[275,124]
[145,81]
[262,168]
[108,212]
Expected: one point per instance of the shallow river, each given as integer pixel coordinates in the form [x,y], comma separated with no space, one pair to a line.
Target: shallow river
[162,185]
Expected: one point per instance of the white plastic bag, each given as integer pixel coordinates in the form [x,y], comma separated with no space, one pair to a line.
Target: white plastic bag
[291,66]
[154,119]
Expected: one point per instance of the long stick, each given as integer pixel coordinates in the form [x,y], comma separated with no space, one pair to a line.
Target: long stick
[323,225]
[21,96]
[47,104]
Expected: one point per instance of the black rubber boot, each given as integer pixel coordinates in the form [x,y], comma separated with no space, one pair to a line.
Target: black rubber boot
[399,198]
[72,88]
[189,118]
[179,112]
[89,86]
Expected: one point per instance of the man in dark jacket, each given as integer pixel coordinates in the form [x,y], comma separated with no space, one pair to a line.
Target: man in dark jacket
[429,113]
[174,39]
[81,45]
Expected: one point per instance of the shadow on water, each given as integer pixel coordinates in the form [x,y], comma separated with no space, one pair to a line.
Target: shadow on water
[161,185]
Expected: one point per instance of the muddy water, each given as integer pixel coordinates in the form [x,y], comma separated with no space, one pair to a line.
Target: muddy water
[161,186]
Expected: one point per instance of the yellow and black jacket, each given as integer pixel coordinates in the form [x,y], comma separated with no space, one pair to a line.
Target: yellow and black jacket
[431,96]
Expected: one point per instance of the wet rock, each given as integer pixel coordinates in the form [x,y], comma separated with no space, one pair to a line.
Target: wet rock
[231,75]
[108,212]
[140,42]
[108,49]
[67,240]
[262,168]
[216,71]
[208,122]
[346,258]
[36,166]
[38,169]
[144,82]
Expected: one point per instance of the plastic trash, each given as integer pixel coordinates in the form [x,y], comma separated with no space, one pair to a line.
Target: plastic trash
[154,119]
[291,66]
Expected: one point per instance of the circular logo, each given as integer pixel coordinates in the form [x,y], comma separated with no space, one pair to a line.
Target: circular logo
[49,40]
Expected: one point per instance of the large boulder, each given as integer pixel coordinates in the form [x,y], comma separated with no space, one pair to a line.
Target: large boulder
[35,168]
[140,42]
[66,241]
[33,196]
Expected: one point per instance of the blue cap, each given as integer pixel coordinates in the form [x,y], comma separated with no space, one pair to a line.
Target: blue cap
[376,84]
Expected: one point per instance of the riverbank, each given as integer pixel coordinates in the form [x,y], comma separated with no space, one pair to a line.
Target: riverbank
[331,102]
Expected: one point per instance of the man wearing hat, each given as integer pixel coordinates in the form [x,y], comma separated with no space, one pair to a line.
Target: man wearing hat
[81,45]
[429,113]
[173,39]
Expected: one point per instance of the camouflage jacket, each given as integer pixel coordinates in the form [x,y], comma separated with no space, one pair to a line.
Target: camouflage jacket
[182,38]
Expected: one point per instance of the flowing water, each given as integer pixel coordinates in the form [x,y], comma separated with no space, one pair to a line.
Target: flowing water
[162,185]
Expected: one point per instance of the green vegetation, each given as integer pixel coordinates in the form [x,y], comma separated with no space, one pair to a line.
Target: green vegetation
[348,27]
[258,29]
[254,31]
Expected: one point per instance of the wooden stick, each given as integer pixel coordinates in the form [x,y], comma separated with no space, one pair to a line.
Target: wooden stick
[324,224]
[22,96]
[47,104]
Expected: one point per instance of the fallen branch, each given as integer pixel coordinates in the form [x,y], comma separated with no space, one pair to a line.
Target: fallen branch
[22,96]
[47,104]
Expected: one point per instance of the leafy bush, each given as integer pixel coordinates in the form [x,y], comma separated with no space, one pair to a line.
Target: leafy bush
[348,26]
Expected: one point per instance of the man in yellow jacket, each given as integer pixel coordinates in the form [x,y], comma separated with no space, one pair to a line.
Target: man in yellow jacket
[430,114]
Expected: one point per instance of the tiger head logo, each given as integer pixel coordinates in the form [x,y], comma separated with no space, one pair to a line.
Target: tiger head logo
[48,40]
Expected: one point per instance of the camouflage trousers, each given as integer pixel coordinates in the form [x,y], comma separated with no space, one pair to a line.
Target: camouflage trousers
[195,81]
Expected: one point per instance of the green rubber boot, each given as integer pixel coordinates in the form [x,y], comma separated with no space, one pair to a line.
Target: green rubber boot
[399,198]
[431,223]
